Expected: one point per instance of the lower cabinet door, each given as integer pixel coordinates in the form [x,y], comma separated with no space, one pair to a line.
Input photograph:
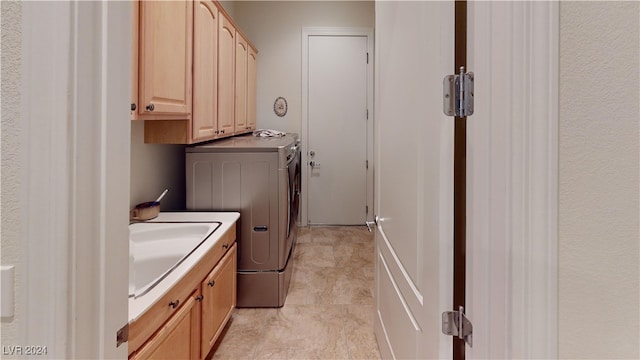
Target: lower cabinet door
[219,299]
[179,338]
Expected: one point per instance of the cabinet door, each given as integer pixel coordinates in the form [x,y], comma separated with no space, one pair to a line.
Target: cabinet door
[205,70]
[166,36]
[219,299]
[226,75]
[241,84]
[179,338]
[252,73]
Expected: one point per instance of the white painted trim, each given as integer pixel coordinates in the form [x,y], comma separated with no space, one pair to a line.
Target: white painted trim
[384,345]
[398,293]
[512,179]
[46,29]
[102,149]
[335,31]
[403,271]
[76,140]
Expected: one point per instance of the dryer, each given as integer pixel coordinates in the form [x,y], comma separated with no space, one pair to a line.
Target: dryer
[260,178]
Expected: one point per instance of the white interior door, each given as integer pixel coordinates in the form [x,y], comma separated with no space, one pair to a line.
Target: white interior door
[414,178]
[336,164]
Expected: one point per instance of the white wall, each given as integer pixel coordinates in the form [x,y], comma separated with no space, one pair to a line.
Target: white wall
[598,180]
[155,167]
[229,6]
[275,28]
[11,15]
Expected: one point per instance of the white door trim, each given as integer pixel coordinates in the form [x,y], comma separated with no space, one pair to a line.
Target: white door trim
[75,170]
[45,168]
[335,31]
[512,174]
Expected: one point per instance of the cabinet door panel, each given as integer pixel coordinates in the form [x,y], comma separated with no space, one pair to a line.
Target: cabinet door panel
[205,70]
[241,84]
[178,338]
[219,299]
[166,36]
[226,75]
[252,72]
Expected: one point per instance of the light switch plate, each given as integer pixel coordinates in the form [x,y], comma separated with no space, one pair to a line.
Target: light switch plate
[8,290]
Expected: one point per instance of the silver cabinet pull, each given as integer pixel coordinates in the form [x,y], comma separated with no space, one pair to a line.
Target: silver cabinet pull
[174,304]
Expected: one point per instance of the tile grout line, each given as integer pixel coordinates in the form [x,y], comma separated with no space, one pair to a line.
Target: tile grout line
[344,331]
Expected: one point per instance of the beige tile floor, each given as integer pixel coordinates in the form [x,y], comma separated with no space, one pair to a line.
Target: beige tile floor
[328,313]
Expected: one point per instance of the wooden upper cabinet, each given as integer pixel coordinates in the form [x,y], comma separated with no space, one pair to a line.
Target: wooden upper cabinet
[226,75]
[242,52]
[252,72]
[166,38]
[205,71]
[194,72]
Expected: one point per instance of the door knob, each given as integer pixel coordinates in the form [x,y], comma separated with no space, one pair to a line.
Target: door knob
[312,153]
[314,164]
[370,224]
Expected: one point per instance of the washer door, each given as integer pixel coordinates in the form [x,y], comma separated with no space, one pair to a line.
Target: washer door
[293,195]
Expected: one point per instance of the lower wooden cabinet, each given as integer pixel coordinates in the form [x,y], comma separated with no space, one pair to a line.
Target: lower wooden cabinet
[219,299]
[179,337]
[198,314]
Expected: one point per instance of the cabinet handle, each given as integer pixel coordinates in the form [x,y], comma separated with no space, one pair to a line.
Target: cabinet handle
[225,246]
[150,107]
[222,131]
[174,304]
[133,107]
[211,283]
[217,132]
[199,298]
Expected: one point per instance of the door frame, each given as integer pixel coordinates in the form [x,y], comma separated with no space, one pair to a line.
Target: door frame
[334,31]
[512,187]
[75,156]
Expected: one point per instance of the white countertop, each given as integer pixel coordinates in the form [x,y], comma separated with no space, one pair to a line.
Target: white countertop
[138,306]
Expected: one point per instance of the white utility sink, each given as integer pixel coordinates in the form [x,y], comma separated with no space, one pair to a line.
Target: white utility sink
[157,248]
[162,250]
